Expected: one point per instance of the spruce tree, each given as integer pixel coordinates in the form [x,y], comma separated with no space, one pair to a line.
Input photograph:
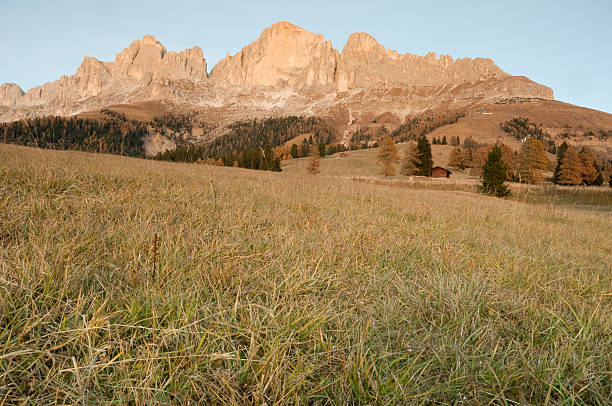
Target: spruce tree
[599,180]
[305,151]
[560,153]
[321,149]
[424,156]
[294,151]
[494,174]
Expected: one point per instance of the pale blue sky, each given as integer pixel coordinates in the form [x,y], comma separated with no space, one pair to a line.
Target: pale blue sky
[563,44]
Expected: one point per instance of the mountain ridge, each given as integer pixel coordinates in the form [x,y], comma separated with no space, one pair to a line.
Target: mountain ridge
[285,58]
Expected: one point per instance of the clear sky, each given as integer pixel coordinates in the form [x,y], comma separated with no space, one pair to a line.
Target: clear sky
[564,44]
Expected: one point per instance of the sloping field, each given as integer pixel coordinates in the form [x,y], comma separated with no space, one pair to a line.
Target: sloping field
[482,124]
[143,111]
[363,162]
[142,282]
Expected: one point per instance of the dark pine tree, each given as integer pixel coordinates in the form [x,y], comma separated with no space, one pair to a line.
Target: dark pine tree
[424,156]
[560,153]
[494,174]
[294,151]
[322,149]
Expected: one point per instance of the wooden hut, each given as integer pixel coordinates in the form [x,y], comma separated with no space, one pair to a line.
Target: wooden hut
[440,172]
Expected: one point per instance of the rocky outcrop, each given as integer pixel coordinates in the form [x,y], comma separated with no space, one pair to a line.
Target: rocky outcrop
[186,65]
[289,56]
[136,67]
[365,63]
[10,94]
[139,61]
[284,56]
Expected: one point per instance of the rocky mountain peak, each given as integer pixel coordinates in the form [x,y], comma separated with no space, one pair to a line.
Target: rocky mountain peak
[284,56]
[10,94]
[140,60]
[361,42]
[283,26]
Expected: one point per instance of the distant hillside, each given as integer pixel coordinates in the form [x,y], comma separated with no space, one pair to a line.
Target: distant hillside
[577,125]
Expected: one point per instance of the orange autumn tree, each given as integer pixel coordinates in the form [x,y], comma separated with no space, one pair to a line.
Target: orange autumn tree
[313,166]
[570,169]
[456,160]
[589,161]
[532,161]
[387,155]
[410,161]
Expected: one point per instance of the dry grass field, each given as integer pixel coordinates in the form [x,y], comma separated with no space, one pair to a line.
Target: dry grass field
[362,162]
[129,281]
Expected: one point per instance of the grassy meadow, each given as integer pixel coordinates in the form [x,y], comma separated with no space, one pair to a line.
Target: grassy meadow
[361,162]
[127,281]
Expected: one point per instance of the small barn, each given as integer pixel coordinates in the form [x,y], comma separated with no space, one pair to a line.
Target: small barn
[440,172]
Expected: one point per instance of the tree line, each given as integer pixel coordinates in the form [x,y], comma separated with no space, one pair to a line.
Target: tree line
[415,128]
[522,129]
[256,158]
[259,144]
[582,167]
[114,134]
[273,132]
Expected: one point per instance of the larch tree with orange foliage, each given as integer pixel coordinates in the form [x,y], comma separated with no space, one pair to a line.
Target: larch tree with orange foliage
[410,161]
[570,169]
[387,156]
[455,160]
[589,161]
[313,166]
[532,161]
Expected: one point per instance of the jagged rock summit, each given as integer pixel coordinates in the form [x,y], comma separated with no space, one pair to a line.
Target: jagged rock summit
[10,94]
[289,56]
[135,67]
[287,70]
[284,56]
[364,63]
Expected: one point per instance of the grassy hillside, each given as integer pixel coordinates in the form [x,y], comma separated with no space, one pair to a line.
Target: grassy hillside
[482,123]
[142,111]
[363,162]
[146,282]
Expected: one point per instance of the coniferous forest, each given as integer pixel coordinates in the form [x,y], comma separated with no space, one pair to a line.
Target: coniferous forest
[248,144]
[115,134]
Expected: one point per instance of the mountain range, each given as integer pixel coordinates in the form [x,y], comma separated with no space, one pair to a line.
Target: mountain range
[291,71]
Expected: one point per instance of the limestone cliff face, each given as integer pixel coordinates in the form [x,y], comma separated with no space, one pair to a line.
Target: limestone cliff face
[135,67]
[289,56]
[288,70]
[10,94]
[365,63]
[185,65]
[283,56]
[139,61]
